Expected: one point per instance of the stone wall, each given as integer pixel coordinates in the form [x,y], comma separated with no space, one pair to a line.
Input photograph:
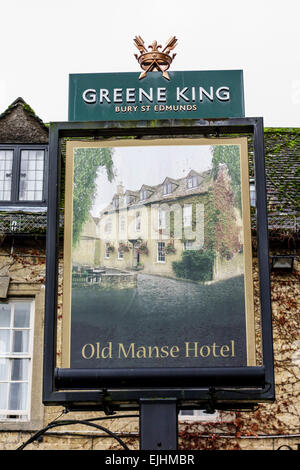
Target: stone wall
[267,427]
[118,280]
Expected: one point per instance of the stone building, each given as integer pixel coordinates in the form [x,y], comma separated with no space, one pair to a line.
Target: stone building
[23,205]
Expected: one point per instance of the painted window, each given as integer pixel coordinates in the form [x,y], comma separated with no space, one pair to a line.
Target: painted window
[106,250]
[167,188]
[137,221]
[192,182]
[188,245]
[116,203]
[108,226]
[16,320]
[161,257]
[187,216]
[144,194]
[122,223]
[161,218]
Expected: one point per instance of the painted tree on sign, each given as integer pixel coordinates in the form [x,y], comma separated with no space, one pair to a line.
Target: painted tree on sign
[87,164]
[227,231]
[230,155]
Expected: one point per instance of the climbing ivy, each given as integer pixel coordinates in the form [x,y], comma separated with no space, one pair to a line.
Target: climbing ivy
[87,163]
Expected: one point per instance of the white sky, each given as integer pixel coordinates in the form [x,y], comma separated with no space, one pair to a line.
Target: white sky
[43,41]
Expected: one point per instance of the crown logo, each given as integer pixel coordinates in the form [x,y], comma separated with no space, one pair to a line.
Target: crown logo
[154,59]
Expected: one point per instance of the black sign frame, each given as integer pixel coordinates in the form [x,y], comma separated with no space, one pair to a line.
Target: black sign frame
[99,389]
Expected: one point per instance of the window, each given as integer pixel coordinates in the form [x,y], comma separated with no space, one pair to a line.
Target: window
[108,226]
[137,221]
[203,416]
[188,245]
[120,254]
[187,216]
[116,203]
[252,193]
[106,250]
[192,182]
[143,194]
[161,257]
[16,319]
[6,163]
[167,188]
[161,219]
[122,223]
[22,174]
[129,199]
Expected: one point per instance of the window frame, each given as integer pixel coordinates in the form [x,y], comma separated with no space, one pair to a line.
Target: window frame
[202,416]
[167,188]
[106,251]
[16,173]
[192,179]
[161,213]
[188,215]
[12,355]
[160,251]
[35,293]
[138,221]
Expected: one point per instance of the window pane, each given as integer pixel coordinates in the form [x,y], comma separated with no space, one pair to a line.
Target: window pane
[3,396]
[20,341]
[18,396]
[6,161]
[4,315]
[19,369]
[4,368]
[32,166]
[4,341]
[22,315]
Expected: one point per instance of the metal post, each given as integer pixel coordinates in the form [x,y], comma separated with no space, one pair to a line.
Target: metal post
[158,424]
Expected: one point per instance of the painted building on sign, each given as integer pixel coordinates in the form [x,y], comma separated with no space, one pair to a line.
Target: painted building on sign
[149,229]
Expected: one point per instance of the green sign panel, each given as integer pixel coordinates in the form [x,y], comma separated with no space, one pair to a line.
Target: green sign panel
[187,95]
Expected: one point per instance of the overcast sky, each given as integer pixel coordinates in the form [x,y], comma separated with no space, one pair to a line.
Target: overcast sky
[42,42]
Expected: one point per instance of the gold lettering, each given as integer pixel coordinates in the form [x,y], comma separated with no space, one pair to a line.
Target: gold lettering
[164,351]
[130,350]
[187,349]
[141,352]
[152,349]
[92,351]
[174,351]
[224,350]
[107,351]
[207,351]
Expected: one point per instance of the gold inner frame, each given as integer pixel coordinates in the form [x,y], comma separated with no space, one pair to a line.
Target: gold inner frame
[67,266]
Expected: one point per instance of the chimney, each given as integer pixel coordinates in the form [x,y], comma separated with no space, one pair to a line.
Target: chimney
[120,189]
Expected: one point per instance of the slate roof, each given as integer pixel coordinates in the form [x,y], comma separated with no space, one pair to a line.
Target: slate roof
[282,162]
[179,190]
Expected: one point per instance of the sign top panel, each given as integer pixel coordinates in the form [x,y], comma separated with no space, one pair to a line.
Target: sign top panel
[187,95]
